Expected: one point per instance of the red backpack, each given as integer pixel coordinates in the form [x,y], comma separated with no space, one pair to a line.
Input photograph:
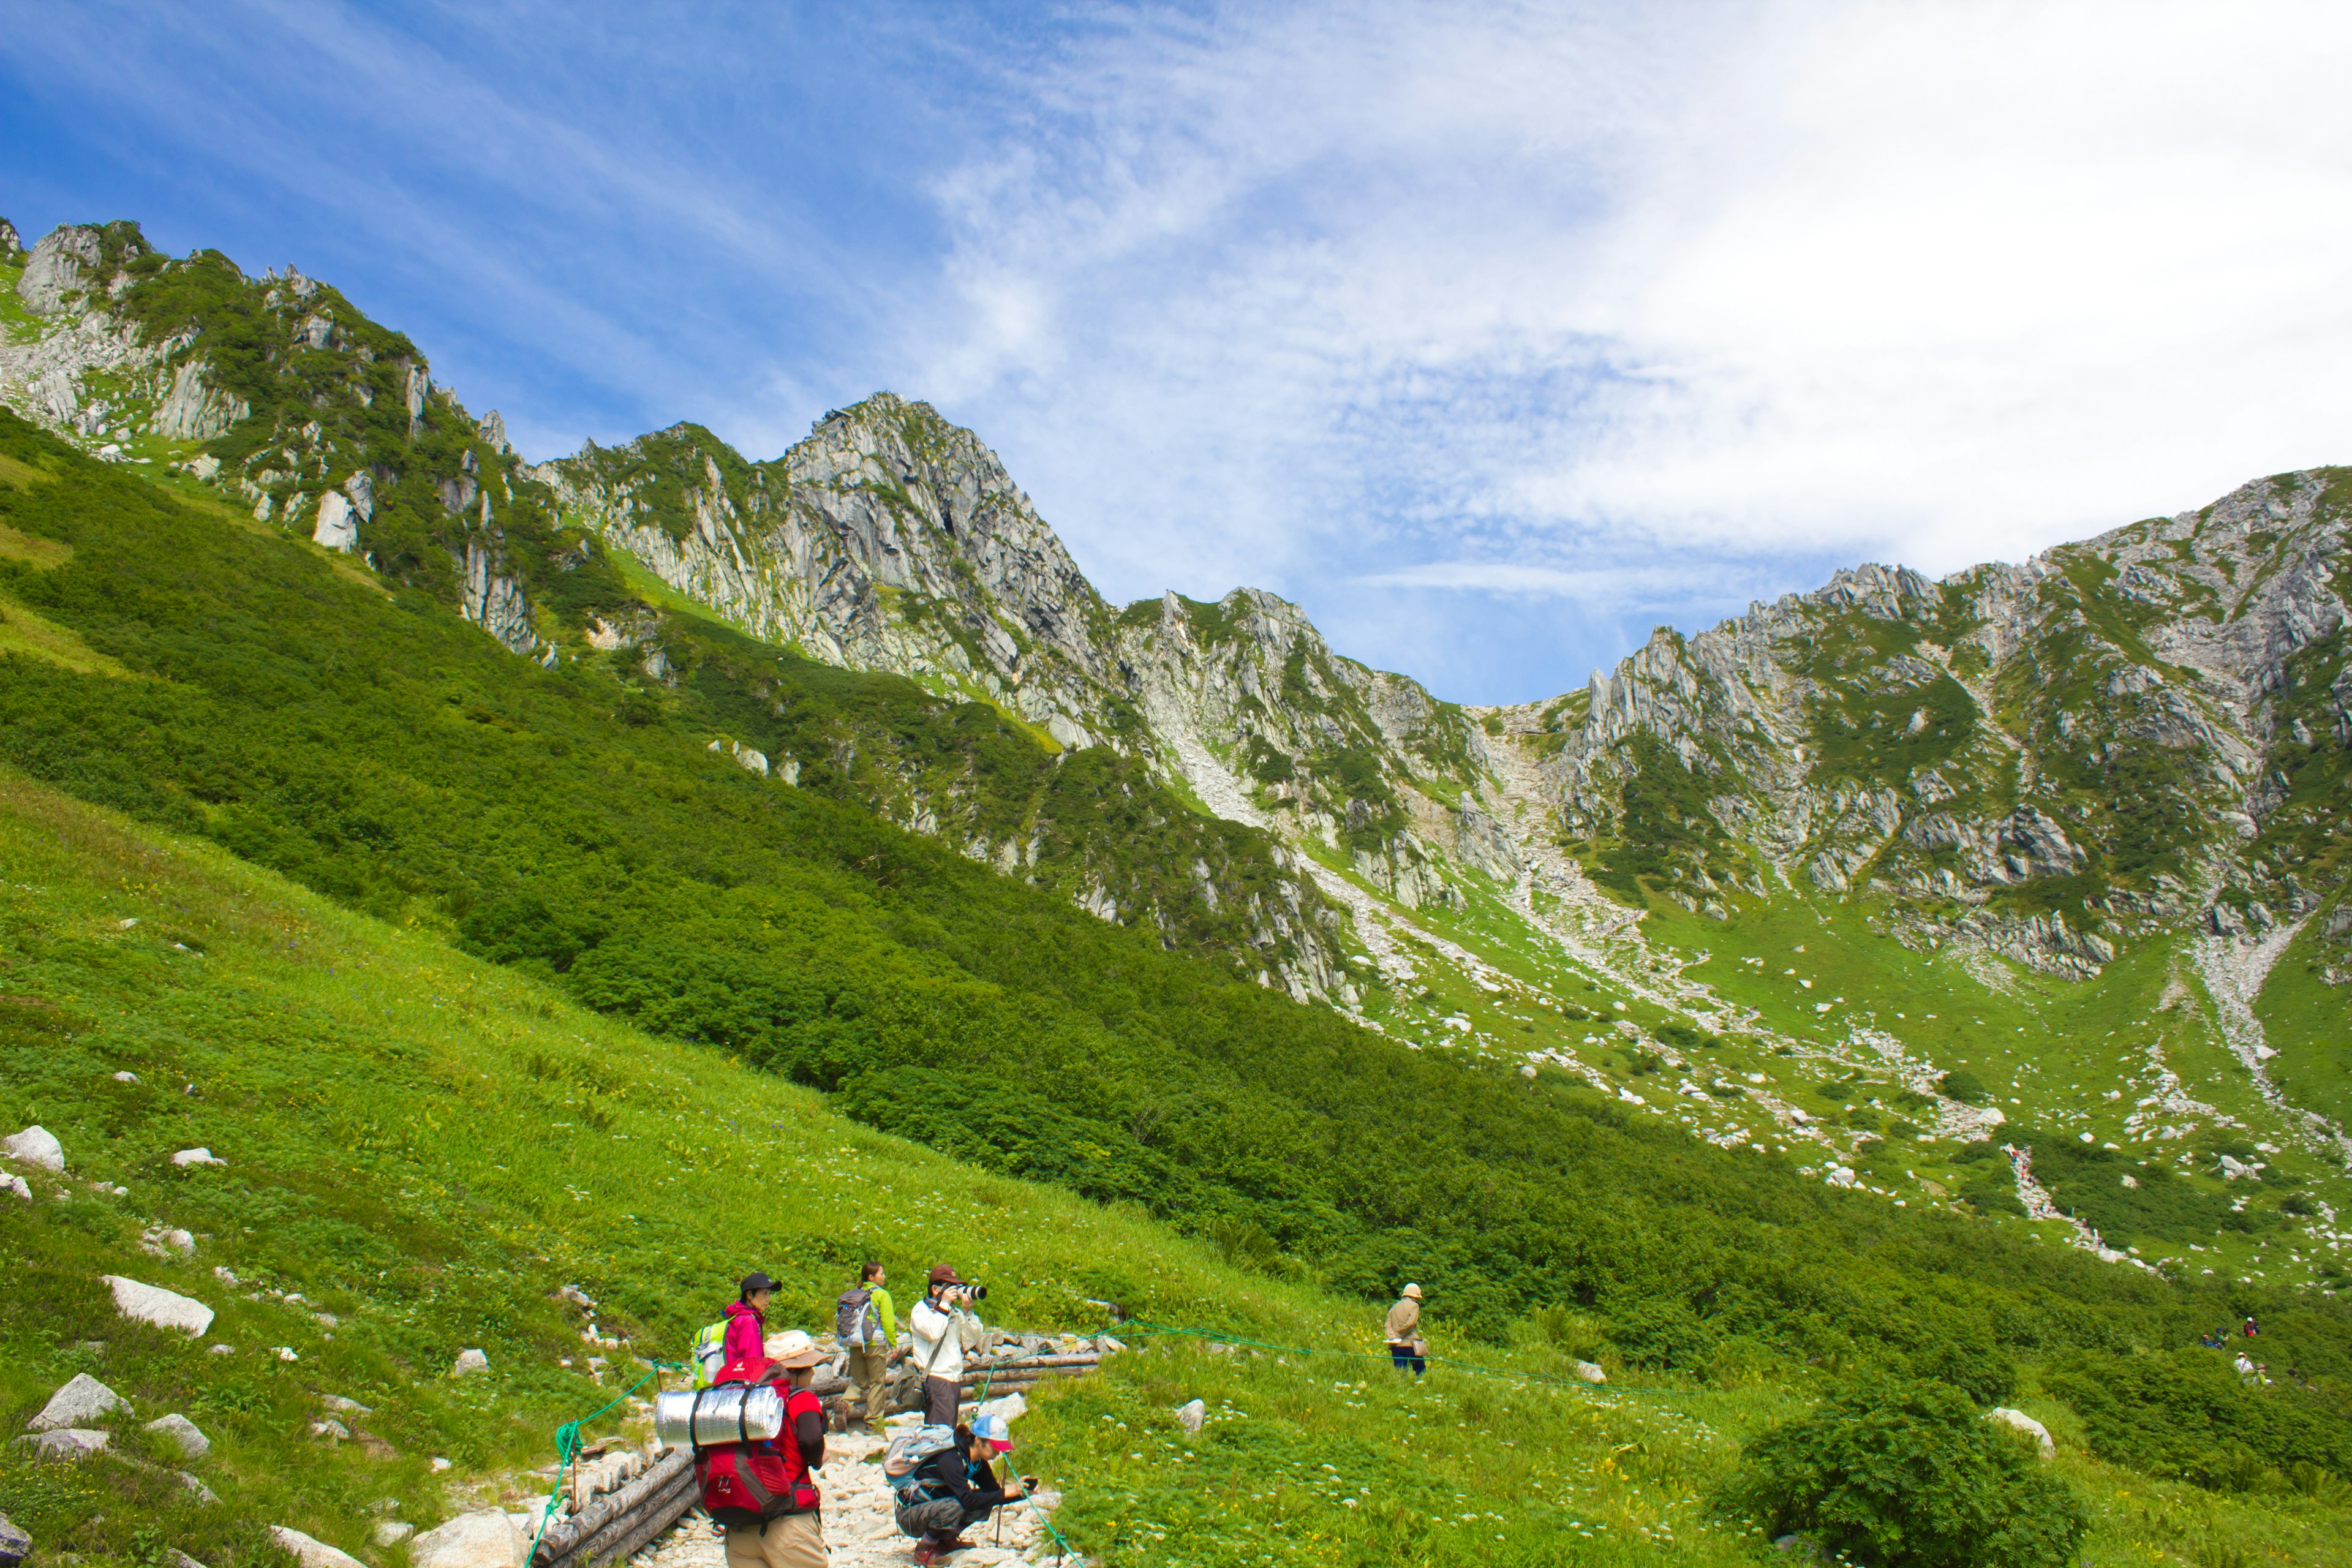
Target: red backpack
[754,1482]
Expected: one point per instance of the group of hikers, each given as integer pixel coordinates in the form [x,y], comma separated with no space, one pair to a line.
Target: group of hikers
[764,1494]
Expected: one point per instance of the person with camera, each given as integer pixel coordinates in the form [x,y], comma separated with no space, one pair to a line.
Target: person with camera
[939,1330]
[955,1489]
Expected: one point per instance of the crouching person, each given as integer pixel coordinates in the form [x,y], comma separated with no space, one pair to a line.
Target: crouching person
[956,1489]
[763,1492]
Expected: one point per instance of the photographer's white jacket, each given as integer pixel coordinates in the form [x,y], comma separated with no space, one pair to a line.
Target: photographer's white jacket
[940,1337]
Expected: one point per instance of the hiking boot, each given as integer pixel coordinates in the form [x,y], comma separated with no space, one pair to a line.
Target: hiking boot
[926,1553]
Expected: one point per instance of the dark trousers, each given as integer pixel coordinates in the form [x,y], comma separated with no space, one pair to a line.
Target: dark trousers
[939,1520]
[942,1395]
[1401,1357]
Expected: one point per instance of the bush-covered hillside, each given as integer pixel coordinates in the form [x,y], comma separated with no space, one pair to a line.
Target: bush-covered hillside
[574,825]
[428,1149]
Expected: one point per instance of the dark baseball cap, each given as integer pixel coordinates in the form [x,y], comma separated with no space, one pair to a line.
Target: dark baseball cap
[755,1280]
[943,1274]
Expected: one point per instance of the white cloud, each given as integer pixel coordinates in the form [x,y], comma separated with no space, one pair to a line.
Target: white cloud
[1505,301]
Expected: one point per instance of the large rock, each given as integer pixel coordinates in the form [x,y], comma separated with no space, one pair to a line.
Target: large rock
[16,1184]
[469,1362]
[164,1308]
[184,1434]
[15,1544]
[67,1443]
[2019,1421]
[197,1157]
[1192,1414]
[78,1403]
[1591,1373]
[391,1533]
[337,527]
[62,263]
[312,1552]
[36,1146]
[484,1539]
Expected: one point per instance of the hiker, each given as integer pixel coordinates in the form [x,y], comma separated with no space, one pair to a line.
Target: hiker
[2245,1370]
[2251,1329]
[782,1469]
[866,1324]
[1406,1347]
[938,1330]
[747,1322]
[955,1489]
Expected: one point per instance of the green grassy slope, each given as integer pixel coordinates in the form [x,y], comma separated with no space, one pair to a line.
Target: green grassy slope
[429,1147]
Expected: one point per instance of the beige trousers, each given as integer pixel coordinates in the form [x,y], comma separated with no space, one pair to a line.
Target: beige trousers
[794,1541]
[868,1369]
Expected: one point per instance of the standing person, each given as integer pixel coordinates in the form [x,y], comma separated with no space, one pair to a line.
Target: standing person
[938,1330]
[773,1514]
[746,1322]
[866,1324]
[1406,1347]
[957,1489]
[2245,1370]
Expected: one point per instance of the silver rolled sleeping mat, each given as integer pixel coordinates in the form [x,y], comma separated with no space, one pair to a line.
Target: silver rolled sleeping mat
[702,1418]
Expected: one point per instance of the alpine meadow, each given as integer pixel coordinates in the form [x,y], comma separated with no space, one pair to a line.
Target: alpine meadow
[548,891]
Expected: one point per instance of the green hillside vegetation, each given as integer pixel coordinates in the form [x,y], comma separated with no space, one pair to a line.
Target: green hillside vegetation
[429,1148]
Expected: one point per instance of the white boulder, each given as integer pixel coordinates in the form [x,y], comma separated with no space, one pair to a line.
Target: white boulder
[79,1401]
[35,1146]
[1192,1415]
[2019,1421]
[126,1077]
[483,1539]
[470,1361]
[16,1544]
[183,1434]
[16,1184]
[391,1533]
[197,1157]
[336,527]
[67,1443]
[164,1308]
[1590,1372]
[312,1552]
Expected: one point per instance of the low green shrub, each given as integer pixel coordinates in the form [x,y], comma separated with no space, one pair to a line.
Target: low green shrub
[1908,1474]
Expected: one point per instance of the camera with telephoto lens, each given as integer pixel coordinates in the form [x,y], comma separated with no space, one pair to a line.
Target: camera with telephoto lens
[971,1293]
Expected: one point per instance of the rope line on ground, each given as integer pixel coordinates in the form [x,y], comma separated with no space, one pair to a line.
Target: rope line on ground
[568,1444]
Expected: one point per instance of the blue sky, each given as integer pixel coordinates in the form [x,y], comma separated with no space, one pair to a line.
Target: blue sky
[1493,334]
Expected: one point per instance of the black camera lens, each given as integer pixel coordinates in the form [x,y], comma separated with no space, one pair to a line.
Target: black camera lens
[977,1293]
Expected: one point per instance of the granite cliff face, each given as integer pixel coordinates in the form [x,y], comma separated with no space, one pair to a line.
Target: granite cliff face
[2046,760]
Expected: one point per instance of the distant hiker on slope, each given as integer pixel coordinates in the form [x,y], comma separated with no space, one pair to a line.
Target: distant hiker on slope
[940,1329]
[1406,1347]
[866,1324]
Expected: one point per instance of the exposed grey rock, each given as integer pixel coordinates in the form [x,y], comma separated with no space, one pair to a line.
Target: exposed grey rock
[193,409]
[164,1308]
[483,1539]
[81,1400]
[470,1361]
[175,1557]
[2017,1420]
[1191,1416]
[67,1442]
[205,1494]
[36,1146]
[338,526]
[391,1533]
[10,245]
[184,1433]
[17,1185]
[64,261]
[312,1553]
[16,1544]
[197,1157]
[1591,1373]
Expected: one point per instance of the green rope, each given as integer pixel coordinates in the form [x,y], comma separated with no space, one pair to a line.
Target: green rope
[568,1444]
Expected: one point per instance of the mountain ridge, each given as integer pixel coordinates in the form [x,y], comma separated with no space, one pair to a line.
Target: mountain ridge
[2089,784]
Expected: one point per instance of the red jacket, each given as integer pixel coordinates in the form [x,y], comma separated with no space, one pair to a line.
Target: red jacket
[747,1338]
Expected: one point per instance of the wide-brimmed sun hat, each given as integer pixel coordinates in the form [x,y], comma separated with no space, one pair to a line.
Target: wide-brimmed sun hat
[795,1349]
[1413,1291]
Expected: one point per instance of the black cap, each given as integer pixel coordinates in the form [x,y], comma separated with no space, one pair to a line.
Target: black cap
[755,1280]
